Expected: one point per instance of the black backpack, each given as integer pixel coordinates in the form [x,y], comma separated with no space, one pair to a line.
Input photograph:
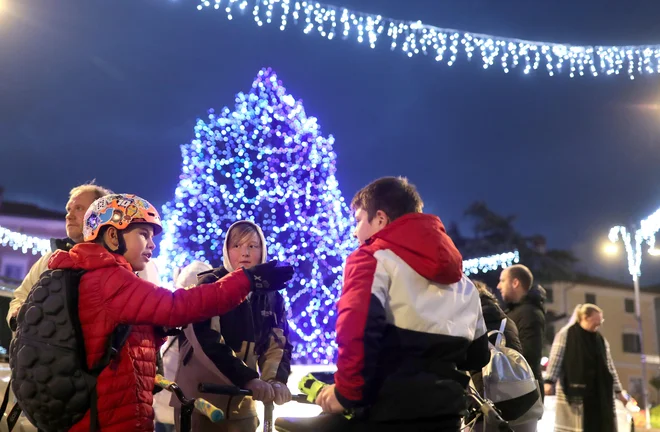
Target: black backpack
[49,373]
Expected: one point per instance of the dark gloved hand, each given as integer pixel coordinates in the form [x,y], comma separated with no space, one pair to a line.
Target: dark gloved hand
[268,277]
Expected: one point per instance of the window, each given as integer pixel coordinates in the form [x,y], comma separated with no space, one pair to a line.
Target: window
[549,295]
[629,306]
[631,343]
[590,298]
[13,267]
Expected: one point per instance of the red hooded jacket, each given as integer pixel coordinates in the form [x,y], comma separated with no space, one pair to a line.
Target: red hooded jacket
[111,294]
[405,310]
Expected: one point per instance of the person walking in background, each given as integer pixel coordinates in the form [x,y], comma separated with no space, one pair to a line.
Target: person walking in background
[582,374]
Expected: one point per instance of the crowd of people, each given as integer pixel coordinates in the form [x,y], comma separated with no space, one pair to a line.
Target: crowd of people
[412,329]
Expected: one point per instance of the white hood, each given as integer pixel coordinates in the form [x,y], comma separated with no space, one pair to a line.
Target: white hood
[225,253]
[187,277]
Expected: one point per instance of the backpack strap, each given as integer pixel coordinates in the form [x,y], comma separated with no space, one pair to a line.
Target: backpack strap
[501,339]
[5,401]
[14,413]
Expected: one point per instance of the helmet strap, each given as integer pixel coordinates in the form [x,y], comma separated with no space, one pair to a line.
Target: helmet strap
[121,244]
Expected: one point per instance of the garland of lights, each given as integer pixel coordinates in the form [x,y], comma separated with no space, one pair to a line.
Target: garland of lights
[444,44]
[646,233]
[490,263]
[41,246]
[23,242]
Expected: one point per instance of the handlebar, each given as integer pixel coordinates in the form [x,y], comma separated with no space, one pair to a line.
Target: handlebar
[202,405]
[488,411]
[237,391]
[227,390]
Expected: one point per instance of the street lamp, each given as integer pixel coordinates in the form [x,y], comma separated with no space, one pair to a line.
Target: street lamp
[646,233]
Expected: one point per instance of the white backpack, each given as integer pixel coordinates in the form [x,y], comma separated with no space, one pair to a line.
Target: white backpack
[507,379]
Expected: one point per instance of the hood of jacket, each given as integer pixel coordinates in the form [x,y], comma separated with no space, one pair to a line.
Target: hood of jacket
[535,297]
[422,242]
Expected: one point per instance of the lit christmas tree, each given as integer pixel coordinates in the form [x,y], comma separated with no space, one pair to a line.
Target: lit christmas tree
[266,161]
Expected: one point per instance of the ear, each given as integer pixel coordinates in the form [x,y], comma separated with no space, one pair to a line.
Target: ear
[381,218]
[111,238]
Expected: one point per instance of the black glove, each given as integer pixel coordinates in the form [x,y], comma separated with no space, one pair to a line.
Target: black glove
[268,277]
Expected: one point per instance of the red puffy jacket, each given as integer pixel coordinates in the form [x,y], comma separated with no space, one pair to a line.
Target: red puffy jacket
[110,294]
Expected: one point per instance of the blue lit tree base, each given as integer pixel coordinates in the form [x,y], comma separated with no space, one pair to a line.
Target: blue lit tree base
[266,161]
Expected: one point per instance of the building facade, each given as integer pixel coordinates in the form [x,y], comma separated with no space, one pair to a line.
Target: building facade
[620,327]
[25,230]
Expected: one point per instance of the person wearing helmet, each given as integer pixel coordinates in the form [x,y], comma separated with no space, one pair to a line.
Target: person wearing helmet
[118,233]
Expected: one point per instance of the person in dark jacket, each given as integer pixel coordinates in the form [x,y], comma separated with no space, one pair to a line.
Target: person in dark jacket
[493,316]
[248,347]
[525,306]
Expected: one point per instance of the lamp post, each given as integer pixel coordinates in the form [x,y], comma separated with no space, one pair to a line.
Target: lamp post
[646,233]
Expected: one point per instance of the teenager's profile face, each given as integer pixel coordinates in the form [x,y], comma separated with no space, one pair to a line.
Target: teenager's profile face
[364,228]
[139,238]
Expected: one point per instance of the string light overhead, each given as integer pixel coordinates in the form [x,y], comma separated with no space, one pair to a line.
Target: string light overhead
[489,263]
[446,45]
[23,242]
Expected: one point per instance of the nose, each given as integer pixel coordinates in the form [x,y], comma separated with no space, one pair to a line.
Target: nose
[69,216]
[150,244]
[245,251]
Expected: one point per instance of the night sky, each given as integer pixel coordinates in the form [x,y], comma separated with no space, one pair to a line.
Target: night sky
[109,89]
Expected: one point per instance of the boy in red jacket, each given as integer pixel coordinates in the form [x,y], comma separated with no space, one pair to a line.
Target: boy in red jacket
[118,233]
[409,322]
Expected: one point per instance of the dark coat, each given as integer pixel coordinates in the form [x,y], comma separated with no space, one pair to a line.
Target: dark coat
[529,316]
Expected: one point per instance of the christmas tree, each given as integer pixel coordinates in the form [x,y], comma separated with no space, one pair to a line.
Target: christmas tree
[267,161]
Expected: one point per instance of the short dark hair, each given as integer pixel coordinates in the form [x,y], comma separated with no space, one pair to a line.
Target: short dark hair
[523,274]
[392,195]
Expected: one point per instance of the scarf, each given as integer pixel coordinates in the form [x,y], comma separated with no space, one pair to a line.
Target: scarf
[586,378]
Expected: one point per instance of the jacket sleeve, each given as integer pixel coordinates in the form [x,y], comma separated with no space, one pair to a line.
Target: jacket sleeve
[530,332]
[512,339]
[21,293]
[222,355]
[477,354]
[275,363]
[361,324]
[131,300]
[556,358]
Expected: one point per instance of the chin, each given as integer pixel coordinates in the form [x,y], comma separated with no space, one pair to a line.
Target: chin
[75,235]
[138,267]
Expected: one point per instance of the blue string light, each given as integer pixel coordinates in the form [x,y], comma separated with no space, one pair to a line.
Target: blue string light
[444,44]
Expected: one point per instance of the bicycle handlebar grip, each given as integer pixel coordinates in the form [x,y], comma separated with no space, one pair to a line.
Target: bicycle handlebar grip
[162,382]
[301,398]
[214,413]
[227,390]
